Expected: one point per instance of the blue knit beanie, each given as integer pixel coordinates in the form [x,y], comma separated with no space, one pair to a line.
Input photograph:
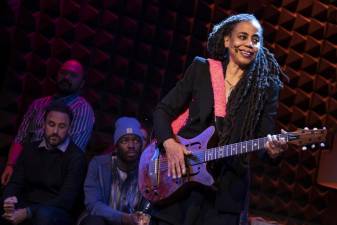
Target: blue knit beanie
[127,125]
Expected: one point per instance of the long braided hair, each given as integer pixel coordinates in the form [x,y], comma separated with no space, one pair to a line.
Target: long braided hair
[259,75]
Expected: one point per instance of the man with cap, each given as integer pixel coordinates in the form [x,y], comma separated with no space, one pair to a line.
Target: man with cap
[111,186]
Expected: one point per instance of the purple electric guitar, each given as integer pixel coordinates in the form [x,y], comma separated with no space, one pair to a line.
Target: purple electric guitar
[157,187]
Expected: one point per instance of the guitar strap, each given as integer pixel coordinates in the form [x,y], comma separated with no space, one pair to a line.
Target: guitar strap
[219,97]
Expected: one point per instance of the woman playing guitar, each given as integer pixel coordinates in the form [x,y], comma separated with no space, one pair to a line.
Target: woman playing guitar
[241,104]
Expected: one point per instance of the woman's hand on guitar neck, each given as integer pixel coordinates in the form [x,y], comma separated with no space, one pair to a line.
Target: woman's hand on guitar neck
[275,145]
[175,153]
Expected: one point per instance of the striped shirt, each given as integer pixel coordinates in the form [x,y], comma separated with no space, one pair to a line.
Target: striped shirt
[31,127]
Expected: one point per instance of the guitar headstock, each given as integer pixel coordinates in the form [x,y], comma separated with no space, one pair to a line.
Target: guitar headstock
[308,137]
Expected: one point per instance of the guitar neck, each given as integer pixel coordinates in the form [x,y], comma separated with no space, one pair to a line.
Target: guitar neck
[240,148]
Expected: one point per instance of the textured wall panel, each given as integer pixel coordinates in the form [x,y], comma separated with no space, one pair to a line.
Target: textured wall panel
[135,51]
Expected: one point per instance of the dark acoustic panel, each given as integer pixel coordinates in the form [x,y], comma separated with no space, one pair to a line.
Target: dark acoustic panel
[135,51]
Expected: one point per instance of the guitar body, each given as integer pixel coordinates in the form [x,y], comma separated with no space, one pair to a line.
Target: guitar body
[153,181]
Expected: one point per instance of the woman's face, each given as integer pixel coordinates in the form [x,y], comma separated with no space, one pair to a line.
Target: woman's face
[243,42]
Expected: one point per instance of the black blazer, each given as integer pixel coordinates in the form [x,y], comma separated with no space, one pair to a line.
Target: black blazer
[195,92]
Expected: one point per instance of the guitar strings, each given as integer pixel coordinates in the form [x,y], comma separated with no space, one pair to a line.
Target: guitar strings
[200,154]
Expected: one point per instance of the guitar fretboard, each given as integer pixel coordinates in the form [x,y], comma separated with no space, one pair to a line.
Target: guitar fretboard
[211,154]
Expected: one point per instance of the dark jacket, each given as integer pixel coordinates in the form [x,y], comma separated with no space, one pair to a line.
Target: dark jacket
[195,92]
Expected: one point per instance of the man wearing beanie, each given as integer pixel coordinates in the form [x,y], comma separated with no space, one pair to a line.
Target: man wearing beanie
[111,185]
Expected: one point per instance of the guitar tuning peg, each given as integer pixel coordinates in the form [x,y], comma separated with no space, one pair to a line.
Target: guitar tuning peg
[315,128]
[322,145]
[313,146]
[304,148]
[306,128]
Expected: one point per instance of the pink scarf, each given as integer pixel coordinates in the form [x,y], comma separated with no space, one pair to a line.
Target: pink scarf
[219,95]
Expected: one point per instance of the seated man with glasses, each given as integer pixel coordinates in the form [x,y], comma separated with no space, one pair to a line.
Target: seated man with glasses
[111,185]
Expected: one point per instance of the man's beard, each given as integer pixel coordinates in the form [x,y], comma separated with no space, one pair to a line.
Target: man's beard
[65,87]
[125,158]
[49,142]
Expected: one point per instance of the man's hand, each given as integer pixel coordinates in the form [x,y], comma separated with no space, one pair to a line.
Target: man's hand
[17,217]
[143,218]
[9,204]
[6,175]
[130,219]
[275,145]
[175,154]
